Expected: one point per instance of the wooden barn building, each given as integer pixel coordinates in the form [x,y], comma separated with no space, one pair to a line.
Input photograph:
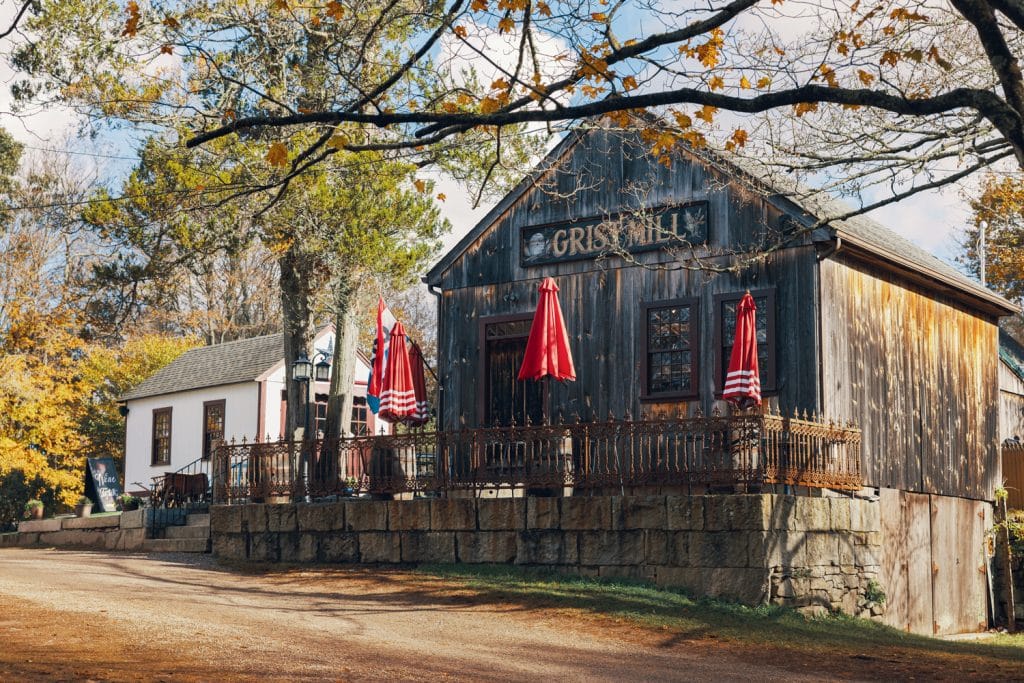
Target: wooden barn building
[854,324]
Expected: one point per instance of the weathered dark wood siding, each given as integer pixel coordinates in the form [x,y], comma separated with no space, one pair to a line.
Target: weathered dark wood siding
[919,374]
[912,366]
[601,298]
[1011,404]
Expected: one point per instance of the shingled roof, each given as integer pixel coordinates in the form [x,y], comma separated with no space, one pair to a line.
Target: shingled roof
[210,366]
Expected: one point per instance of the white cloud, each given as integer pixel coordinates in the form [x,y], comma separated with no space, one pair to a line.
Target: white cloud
[491,55]
[931,220]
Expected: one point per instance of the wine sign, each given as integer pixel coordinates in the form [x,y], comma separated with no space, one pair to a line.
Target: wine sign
[647,230]
[102,484]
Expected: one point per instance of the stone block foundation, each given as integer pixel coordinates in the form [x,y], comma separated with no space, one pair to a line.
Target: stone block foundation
[813,554]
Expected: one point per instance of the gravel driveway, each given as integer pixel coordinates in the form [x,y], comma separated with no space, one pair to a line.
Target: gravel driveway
[105,616]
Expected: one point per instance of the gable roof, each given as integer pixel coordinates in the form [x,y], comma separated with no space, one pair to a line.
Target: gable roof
[209,366]
[791,197]
[244,360]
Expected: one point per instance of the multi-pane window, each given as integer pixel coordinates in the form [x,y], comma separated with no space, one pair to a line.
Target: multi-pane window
[764,324]
[161,436]
[213,426]
[320,415]
[670,349]
[360,426]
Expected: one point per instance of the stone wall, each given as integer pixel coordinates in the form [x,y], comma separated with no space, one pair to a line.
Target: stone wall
[809,553]
[109,532]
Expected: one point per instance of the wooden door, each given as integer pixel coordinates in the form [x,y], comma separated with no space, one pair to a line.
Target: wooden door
[505,398]
[213,426]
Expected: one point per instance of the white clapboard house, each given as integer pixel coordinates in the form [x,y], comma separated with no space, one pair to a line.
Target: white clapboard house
[225,391]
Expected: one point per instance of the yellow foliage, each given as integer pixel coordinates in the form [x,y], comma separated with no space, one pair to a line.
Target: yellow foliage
[277,155]
[629,83]
[335,10]
[744,83]
[506,25]
[829,74]
[805,108]
[890,58]
[706,113]
[682,120]
[708,53]
[716,83]
[131,25]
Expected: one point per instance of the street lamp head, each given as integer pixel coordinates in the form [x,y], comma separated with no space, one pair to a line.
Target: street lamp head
[302,368]
[323,370]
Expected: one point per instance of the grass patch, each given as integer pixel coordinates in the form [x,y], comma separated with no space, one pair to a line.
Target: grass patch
[664,609]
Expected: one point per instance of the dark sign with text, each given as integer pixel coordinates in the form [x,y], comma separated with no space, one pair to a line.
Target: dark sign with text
[666,227]
[102,484]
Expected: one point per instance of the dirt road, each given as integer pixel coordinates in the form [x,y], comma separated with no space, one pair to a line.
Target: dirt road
[84,615]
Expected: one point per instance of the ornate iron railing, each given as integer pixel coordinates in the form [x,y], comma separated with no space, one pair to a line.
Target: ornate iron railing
[744,451]
[177,494]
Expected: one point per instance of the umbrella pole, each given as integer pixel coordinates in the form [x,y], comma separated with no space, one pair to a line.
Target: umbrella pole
[618,463]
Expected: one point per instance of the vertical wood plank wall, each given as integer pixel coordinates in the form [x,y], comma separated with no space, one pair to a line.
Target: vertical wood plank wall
[601,297]
[918,373]
[1011,404]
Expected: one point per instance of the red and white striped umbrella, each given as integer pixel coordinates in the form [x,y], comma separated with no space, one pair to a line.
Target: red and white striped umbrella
[743,380]
[398,395]
[547,348]
[421,415]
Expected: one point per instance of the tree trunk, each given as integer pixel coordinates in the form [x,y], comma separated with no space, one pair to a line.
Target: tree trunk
[346,326]
[298,334]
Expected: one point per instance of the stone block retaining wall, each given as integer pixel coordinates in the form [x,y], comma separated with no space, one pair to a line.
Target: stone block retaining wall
[808,553]
[109,532]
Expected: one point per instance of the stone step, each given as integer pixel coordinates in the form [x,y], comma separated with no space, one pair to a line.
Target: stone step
[176,545]
[190,531]
[198,519]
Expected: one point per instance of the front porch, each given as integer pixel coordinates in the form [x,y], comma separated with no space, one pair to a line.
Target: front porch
[744,452]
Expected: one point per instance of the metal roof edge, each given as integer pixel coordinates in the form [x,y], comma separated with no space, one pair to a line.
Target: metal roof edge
[976,291]
[125,398]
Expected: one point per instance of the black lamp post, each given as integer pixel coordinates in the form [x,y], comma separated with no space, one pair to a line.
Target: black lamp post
[302,372]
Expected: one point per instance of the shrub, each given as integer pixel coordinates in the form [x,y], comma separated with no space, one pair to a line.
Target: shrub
[31,506]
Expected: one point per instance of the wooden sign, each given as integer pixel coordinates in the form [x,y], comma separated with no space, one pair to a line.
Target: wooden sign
[646,230]
[102,484]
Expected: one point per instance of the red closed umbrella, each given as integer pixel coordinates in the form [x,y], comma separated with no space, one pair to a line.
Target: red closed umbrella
[421,415]
[743,380]
[547,349]
[398,396]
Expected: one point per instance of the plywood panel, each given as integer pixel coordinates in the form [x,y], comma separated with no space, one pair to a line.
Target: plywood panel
[919,563]
[893,575]
[973,613]
[947,570]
